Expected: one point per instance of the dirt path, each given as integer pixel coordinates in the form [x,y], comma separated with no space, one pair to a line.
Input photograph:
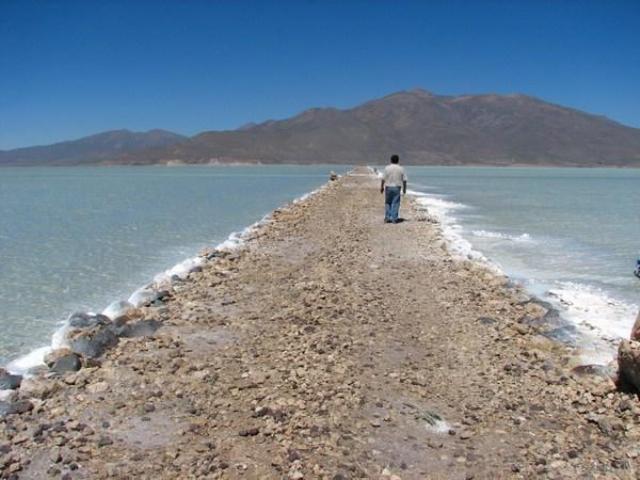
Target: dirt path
[334,346]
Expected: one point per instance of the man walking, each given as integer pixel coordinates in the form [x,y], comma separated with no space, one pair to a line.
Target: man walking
[393,180]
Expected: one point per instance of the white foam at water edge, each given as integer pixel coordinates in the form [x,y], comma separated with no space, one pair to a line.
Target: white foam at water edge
[233,241]
[443,210]
[594,311]
[600,319]
[22,365]
[142,295]
[524,238]
[35,358]
[118,308]
[180,270]
[6,395]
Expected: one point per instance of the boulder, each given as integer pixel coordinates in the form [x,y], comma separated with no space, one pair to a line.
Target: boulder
[93,343]
[629,363]
[87,320]
[120,324]
[51,357]
[9,381]
[67,363]
[635,331]
[159,298]
[15,408]
[38,388]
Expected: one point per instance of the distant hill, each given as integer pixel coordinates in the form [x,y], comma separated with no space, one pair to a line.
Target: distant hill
[98,148]
[425,129]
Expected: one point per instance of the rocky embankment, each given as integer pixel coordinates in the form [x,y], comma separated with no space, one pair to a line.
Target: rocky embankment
[331,346]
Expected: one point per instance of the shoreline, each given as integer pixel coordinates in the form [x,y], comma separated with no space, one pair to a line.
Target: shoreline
[25,364]
[265,164]
[295,356]
[34,359]
[579,304]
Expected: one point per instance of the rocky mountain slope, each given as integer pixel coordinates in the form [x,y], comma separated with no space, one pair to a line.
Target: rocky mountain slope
[90,150]
[425,129]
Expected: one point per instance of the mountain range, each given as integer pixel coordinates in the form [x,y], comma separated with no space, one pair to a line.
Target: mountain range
[95,149]
[423,128]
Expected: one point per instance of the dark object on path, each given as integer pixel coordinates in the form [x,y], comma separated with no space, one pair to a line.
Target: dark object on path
[487,320]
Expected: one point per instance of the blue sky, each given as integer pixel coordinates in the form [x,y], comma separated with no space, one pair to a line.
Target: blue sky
[72,68]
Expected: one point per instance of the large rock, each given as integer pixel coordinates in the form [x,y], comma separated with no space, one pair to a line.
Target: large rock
[63,360]
[123,324]
[635,331]
[9,381]
[15,408]
[93,343]
[39,388]
[51,357]
[88,320]
[629,363]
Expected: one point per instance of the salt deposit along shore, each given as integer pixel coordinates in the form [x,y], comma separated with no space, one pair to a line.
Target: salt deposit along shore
[332,346]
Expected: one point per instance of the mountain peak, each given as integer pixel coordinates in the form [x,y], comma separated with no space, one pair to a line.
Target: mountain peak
[420,92]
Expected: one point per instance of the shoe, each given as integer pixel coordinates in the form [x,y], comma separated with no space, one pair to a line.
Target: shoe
[386,220]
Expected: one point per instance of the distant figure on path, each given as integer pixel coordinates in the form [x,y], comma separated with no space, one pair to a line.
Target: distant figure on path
[393,180]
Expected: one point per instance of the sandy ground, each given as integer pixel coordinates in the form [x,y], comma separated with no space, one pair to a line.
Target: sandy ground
[332,346]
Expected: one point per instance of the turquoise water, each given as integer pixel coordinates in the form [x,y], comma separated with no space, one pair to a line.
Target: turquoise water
[569,235]
[79,238]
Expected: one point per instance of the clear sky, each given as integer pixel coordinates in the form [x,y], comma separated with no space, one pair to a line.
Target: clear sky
[73,68]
